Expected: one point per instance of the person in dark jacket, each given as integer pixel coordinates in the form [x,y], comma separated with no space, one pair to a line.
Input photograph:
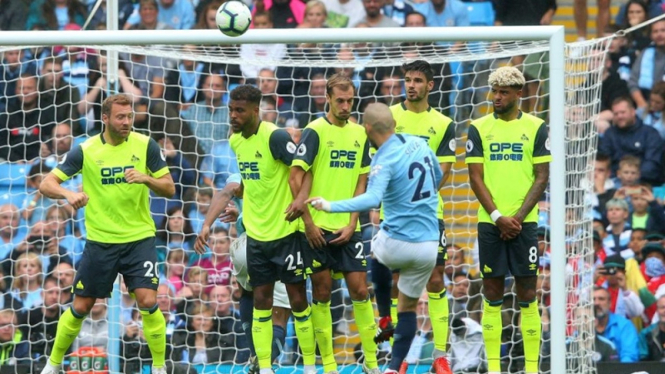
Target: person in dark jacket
[629,135]
[647,214]
[14,348]
[652,339]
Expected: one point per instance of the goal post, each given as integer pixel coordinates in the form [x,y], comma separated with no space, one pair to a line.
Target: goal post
[567,64]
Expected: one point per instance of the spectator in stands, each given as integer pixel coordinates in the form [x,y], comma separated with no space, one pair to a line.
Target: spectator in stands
[64,272]
[397,10]
[617,329]
[285,14]
[636,13]
[422,345]
[14,347]
[35,205]
[268,53]
[653,337]
[174,273]
[603,186]
[182,83]
[654,117]
[581,17]
[61,143]
[134,347]
[637,242]
[125,9]
[465,300]
[176,231]
[344,13]
[543,285]
[612,87]
[623,301]
[91,106]
[618,231]
[654,266]
[209,118]
[524,12]
[628,175]
[76,65]
[146,72]
[13,14]
[201,344]
[24,125]
[56,14]
[193,293]
[218,264]
[165,296]
[444,13]
[227,323]
[374,17]
[647,213]
[649,67]
[95,329]
[10,235]
[200,207]
[267,82]
[268,110]
[207,14]
[59,219]
[218,165]
[630,136]
[57,95]
[148,17]
[182,172]
[27,283]
[12,66]
[315,15]
[178,14]
[390,90]
[454,263]
[314,107]
[40,323]
[466,345]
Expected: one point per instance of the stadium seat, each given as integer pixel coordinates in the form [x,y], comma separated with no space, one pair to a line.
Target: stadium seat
[13,174]
[16,195]
[481,13]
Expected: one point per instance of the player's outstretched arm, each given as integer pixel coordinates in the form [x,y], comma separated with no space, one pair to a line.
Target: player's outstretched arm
[51,188]
[345,233]
[220,201]
[508,225]
[542,176]
[162,186]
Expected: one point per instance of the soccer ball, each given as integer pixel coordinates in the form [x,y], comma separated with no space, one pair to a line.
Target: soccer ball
[233,18]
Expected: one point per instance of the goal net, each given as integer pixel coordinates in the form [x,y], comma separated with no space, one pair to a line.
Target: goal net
[48,105]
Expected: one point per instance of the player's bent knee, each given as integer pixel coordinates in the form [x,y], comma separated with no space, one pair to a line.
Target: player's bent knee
[145,297]
[82,305]
[358,293]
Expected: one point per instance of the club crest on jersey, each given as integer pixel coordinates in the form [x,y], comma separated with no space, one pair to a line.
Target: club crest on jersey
[258,155]
[330,143]
[524,138]
[135,159]
[356,144]
[375,170]
[431,131]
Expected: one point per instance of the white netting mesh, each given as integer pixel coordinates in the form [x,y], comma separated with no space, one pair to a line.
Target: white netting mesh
[180,94]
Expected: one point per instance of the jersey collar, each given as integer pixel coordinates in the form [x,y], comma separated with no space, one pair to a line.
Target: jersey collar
[330,123]
[519,115]
[101,136]
[429,108]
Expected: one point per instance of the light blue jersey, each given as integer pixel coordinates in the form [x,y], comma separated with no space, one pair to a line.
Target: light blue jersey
[405,176]
[235,178]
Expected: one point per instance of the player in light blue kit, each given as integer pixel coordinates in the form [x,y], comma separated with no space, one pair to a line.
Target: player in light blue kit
[404,176]
[232,191]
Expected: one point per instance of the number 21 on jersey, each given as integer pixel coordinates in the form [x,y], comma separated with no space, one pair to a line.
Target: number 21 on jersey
[418,170]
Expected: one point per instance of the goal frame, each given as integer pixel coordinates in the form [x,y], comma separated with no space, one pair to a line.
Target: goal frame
[554,34]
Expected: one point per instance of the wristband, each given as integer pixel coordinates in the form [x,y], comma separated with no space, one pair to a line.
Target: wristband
[495,215]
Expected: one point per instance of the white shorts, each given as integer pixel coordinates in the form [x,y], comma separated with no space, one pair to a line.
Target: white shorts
[415,261]
[239,260]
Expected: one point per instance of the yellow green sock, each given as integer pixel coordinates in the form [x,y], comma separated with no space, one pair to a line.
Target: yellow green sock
[305,335]
[531,332]
[322,323]
[438,314]
[262,337]
[69,326]
[154,330]
[393,315]
[363,312]
[492,327]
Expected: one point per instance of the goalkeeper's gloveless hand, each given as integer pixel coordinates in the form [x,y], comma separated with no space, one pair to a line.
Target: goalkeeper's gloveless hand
[319,203]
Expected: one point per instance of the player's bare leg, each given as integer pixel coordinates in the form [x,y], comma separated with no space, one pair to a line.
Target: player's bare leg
[321,293]
[531,325]
[581,17]
[363,312]
[303,324]
[491,321]
[438,313]
[603,18]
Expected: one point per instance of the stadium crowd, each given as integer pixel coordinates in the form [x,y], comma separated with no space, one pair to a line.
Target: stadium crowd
[50,99]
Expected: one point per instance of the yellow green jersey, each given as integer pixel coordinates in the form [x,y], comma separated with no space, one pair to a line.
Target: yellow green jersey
[436,128]
[508,152]
[117,212]
[263,161]
[337,156]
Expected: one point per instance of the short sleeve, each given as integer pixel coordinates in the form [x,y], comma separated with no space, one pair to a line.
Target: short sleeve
[234,178]
[156,160]
[367,159]
[307,150]
[474,147]
[541,146]
[71,164]
[282,146]
[447,147]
